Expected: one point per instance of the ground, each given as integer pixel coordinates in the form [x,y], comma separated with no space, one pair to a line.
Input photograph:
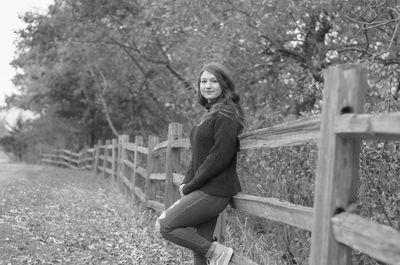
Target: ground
[52,215]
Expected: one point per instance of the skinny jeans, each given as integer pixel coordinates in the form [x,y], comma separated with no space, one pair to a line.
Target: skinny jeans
[190,222]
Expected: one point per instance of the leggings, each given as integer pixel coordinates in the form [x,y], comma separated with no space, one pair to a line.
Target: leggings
[190,222]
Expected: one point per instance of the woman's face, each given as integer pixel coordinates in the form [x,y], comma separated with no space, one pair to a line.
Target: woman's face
[209,86]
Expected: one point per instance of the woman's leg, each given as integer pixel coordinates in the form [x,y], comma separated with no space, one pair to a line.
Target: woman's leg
[206,230]
[190,211]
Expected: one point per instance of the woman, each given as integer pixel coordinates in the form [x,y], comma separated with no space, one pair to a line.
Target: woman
[211,180]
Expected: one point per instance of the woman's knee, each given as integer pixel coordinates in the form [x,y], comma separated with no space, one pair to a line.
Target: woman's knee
[161,228]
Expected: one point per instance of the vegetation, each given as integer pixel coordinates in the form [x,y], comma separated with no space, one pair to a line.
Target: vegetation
[95,69]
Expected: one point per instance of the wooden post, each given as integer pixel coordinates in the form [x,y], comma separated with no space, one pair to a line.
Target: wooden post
[68,156]
[81,159]
[338,162]
[138,142]
[105,158]
[149,191]
[87,158]
[172,164]
[114,144]
[96,157]
[220,227]
[123,155]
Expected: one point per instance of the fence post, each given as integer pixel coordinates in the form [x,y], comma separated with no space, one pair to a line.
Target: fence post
[138,142]
[67,156]
[105,158]
[86,158]
[122,156]
[81,159]
[220,227]
[114,143]
[96,157]
[172,164]
[338,162]
[149,190]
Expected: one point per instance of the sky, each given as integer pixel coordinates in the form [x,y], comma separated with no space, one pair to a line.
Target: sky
[9,22]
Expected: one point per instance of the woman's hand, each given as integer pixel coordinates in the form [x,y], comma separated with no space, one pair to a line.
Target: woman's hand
[180,190]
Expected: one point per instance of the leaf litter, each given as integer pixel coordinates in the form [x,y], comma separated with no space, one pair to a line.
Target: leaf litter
[61,216]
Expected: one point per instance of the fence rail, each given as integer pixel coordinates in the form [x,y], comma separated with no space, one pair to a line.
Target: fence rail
[338,130]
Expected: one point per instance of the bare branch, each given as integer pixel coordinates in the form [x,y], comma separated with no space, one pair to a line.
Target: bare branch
[102,99]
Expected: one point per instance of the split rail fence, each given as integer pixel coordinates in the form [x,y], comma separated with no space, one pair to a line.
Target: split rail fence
[339,130]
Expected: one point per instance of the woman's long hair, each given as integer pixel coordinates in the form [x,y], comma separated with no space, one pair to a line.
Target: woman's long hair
[229,100]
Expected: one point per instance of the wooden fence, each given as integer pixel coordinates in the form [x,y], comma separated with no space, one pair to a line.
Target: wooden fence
[339,130]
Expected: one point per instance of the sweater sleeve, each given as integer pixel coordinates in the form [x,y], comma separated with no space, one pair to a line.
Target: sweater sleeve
[189,173]
[220,155]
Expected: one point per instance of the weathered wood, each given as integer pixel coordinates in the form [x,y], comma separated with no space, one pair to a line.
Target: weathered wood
[141,172]
[140,194]
[128,185]
[160,146]
[239,260]
[366,126]
[129,146]
[275,210]
[129,164]
[155,205]
[81,159]
[338,162]
[143,150]
[138,142]
[177,178]
[285,134]
[181,143]
[114,143]
[108,171]
[149,190]
[105,160]
[220,227]
[157,176]
[378,241]
[177,143]
[172,164]
[123,156]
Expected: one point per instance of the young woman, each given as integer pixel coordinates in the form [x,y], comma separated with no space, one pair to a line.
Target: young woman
[211,180]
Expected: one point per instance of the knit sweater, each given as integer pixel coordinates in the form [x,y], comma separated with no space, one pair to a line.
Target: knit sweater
[214,146]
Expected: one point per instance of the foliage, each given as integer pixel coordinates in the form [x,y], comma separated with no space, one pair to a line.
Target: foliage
[130,67]
[15,142]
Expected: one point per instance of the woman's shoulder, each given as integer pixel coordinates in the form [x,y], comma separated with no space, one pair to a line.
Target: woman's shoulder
[227,111]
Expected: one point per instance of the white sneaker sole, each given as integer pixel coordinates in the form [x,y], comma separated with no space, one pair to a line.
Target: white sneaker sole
[224,259]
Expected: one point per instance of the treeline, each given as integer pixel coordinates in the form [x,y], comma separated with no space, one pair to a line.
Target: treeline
[96,68]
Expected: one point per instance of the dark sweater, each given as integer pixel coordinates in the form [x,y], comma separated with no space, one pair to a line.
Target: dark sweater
[214,146]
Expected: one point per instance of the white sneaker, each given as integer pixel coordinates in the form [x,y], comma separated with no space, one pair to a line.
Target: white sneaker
[221,255]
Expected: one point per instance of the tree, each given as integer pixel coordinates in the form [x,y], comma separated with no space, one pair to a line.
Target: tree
[15,142]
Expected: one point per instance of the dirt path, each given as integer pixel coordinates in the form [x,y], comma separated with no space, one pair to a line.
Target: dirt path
[51,215]
[12,172]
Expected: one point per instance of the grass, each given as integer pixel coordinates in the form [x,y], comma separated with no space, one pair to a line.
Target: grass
[60,216]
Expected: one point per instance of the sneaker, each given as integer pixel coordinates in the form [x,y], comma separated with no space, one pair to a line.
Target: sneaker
[221,255]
